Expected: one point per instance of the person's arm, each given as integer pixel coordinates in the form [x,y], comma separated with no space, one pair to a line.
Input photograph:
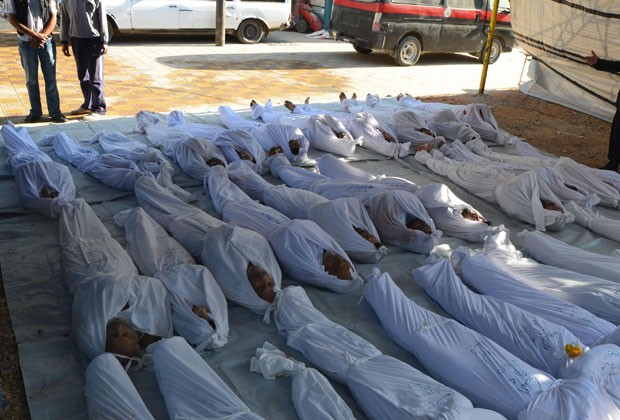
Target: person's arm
[64,28]
[103,25]
[603,65]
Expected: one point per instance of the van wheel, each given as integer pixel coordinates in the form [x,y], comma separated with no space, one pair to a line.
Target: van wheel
[496,51]
[110,29]
[250,32]
[361,50]
[408,51]
[301,26]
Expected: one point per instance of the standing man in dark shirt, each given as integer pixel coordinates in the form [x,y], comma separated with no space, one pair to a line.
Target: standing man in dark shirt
[84,25]
[35,21]
[614,138]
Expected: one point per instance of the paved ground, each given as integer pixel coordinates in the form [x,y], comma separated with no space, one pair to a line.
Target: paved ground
[161,73]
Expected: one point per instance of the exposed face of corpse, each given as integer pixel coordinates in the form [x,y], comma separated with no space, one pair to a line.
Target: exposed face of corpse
[122,339]
[419,224]
[550,205]
[214,162]
[473,215]
[261,282]
[337,265]
[204,313]
[364,233]
[48,192]
[246,156]
[388,137]
[294,145]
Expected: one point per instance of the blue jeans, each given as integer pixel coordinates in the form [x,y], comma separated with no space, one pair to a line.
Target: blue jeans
[30,62]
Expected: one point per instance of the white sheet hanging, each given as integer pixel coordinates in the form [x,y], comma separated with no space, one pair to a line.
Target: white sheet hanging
[533,339]
[559,254]
[34,170]
[312,394]
[452,352]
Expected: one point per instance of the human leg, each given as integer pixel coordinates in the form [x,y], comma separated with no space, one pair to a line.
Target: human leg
[80,54]
[47,56]
[95,72]
[30,64]
[614,140]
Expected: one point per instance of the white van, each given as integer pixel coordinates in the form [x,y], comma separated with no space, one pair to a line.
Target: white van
[250,21]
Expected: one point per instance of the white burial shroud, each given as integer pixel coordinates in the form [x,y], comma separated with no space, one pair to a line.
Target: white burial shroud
[34,170]
[531,338]
[551,251]
[106,283]
[384,387]
[158,255]
[481,273]
[502,382]
[312,394]
[225,250]
[596,295]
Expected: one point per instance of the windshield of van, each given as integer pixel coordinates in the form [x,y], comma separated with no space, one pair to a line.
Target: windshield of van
[422,2]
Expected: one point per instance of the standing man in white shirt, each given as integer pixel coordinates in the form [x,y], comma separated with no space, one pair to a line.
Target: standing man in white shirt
[35,21]
[84,25]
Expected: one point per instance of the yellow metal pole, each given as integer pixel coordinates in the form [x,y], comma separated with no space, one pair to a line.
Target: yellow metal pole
[487,54]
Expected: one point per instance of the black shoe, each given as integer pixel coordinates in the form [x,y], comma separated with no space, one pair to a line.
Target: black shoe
[611,166]
[60,118]
[32,119]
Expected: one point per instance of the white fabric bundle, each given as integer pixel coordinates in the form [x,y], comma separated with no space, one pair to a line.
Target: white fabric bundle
[365,127]
[480,148]
[446,124]
[596,222]
[88,248]
[312,394]
[457,356]
[298,244]
[444,207]
[390,212]
[581,177]
[481,273]
[336,217]
[321,130]
[189,152]
[112,170]
[105,297]
[407,125]
[599,296]
[144,119]
[34,170]
[110,394]
[186,223]
[227,252]
[557,183]
[384,387]
[232,142]
[191,389]
[521,197]
[533,339]
[157,254]
[268,135]
[560,254]
[339,218]
[202,131]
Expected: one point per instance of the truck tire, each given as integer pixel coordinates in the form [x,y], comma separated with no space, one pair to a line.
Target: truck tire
[496,51]
[250,31]
[361,50]
[408,51]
